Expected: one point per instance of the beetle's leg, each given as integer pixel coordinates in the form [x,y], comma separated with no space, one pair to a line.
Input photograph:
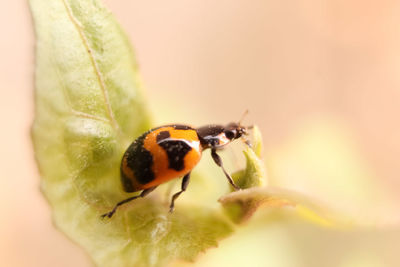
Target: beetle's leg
[143,194]
[168,191]
[218,161]
[247,142]
[185,182]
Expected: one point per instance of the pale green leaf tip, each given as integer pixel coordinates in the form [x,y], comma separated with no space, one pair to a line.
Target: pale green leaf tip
[255,174]
[257,141]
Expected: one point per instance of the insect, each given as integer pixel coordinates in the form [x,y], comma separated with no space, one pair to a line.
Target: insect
[172,151]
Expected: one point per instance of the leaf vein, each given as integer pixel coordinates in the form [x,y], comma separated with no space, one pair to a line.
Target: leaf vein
[95,66]
[88,116]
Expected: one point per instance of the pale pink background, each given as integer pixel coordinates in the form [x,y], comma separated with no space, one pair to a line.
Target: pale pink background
[287,61]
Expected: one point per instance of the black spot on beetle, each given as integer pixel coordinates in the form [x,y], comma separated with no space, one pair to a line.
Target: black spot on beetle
[176,151]
[181,127]
[127,183]
[162,135]
[140,161]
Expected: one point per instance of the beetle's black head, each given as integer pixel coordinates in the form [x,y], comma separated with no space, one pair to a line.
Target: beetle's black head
[216,136]
[234,131]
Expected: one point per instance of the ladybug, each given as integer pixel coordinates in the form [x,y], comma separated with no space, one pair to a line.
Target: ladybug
[172,151]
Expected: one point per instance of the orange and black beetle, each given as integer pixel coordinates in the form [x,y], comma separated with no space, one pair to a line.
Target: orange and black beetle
[169,152]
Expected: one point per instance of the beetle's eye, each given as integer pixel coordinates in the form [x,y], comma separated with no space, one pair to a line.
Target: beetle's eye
[229,134]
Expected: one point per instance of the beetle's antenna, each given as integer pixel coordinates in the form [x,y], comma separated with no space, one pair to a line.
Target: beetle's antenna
[243,116]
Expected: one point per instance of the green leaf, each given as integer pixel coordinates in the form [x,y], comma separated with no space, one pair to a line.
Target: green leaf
[89,107]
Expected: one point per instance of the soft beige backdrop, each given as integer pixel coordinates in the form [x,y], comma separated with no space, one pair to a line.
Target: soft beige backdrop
[291,63]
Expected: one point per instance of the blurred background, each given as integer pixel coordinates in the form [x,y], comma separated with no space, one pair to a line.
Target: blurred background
[320,78]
